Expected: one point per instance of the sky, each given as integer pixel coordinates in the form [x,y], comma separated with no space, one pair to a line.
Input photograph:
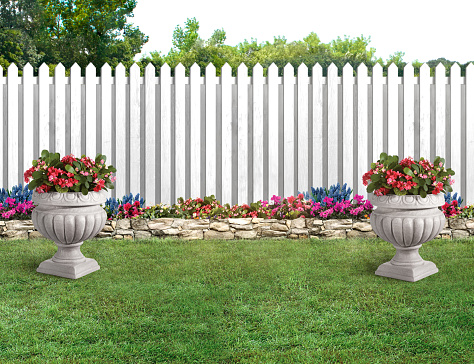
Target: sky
[424,30]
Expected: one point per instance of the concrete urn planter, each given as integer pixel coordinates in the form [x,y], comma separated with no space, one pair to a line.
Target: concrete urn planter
[407,222]
[69,219]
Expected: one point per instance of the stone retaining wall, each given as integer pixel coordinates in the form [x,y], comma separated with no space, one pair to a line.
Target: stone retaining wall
[244,228]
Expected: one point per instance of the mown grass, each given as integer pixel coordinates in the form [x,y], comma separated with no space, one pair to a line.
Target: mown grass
[263,301]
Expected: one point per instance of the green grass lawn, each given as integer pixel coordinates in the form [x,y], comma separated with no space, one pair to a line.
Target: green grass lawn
[261,301]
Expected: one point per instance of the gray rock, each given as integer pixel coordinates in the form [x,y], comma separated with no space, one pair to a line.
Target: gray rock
[191,234]
[142,234]
[241,221]
[19,225]
[458,234]
[15,234]
[219,226]
[299,223]
[246,234]
[333,234]
[123,224]
[273,233]
[279,227]
[360,234]
[458,224]
[196,224]
[338,224]
[223,235]
[362,226]
[139,224]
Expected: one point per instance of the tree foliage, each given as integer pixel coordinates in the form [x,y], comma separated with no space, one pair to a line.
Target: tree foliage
[68,31]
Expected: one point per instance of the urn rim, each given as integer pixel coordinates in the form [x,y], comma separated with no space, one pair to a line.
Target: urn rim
[408,202]
[69,198]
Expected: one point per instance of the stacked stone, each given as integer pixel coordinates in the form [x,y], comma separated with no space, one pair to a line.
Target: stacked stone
[229,229]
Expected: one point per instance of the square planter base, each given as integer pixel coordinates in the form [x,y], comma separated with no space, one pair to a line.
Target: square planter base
[68,270]
[410,273]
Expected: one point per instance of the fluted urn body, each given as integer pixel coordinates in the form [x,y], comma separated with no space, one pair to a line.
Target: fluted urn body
[69,219]
[407,222]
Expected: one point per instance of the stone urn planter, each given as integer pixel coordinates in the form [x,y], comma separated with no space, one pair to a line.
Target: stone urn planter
[69,219]
[407,222]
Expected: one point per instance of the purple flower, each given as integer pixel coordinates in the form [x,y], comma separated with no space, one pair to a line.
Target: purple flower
[367,205]
[359,198]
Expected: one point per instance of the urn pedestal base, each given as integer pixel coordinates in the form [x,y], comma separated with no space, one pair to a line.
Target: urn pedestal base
[68,262]
[68,270]
[407,265]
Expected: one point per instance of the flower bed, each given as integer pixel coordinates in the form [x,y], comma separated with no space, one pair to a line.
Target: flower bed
[232,229]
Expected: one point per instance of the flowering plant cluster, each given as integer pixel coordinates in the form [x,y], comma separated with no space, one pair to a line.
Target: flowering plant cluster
[387,176]
[294,207]
[452,206]
[12,210]
[195,208]
[157,211]
[50,173]
[127,208]
[256,209]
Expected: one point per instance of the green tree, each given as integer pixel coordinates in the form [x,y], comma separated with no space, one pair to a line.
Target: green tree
[185,38]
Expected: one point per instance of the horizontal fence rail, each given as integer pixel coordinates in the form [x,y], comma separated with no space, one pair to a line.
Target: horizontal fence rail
[239,138]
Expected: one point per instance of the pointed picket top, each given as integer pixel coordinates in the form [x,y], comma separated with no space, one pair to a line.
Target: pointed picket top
[150,67]
[226,70]
[28,69]
[242,70]
[258,68]
[75,69]
[362,68]
[317,68]
[288,69]
[332,66]
[302,68]
[195,70]
[377,68]
[347,68]
[424,69]
[179,67]
[440,70]
[470,68]
[105,68]
[43,70]
[134,70]
[120,67]
[393,68]
[90,68]
[59,70]
[210,69]
[12,70]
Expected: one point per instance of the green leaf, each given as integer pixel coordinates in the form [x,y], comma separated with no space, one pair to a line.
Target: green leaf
[371,188]
[84,190]
[448,189]
[372,165]
[35,163]
[375,177]
[33,184]
[76,164]
[399,193]
[44,154]
[69,168]
[423,193]
[450,171]
[37,174]
[383,156]
[408,171]
[86,184]
[82,178]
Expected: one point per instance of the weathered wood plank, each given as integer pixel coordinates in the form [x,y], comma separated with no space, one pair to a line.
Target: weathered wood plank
[257,157]
[43,108]
[242,134]
[106,146]
[303,135]
[455,126]
[60,109]
[425,112]
[392,109]
[28,132]
[288,130]
[274,169]
[122,173]
[135,121]
[75,111]
[348,125]
[440,87]
[91,111]
[408,111]
[333,127]
[469,174]
[377,112]
[165,119]
[211,141]
[150,142]
[317,137]
[195,142]
[14,175]
[363,163]
[226,145]
[180,142]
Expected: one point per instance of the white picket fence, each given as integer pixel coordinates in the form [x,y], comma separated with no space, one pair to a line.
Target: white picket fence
[240,138]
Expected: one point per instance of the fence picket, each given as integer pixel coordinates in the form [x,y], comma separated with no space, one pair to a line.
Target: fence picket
[392,109]
[120,141]
[317,137]
[211,141]
[333,129]
[288,130]
[60,109]
[28,132]
[242,134]
[347,124]
[180,124]
[3,157]
[195,145]
[408,111]
[227,177]
[455,126]
[150,147]
[274,167]
[469,174]
[302,163]
[165,103]
[106,114]
[91,111]
[363,164]
[258,132]
[440,130]
[75,114]
[43,107]
[12,122]
[135,121]
[425,112]
[377,112]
